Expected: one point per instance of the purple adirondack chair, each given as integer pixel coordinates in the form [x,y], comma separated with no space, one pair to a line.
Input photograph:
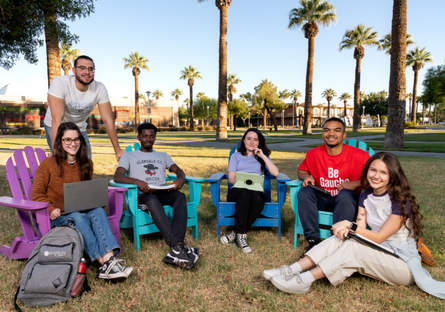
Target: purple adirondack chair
[28,210]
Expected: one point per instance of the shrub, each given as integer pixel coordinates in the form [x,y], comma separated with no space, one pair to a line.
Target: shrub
[130,129]
[26,130]
[410,124]
[101,131]
[90,131]
[200,128]
[174,129]
[184,128]
[14,132]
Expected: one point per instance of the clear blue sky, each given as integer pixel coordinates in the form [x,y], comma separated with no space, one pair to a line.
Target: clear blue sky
[173,34]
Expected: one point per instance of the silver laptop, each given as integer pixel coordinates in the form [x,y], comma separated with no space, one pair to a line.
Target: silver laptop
[80,196]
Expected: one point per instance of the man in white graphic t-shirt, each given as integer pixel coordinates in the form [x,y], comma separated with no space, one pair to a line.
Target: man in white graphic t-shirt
[146,168]
[73,97]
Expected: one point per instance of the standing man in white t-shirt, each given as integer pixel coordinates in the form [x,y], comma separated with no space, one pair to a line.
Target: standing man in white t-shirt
[73,97]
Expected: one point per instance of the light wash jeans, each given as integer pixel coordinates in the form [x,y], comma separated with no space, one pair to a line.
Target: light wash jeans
[48,139]
[96,231]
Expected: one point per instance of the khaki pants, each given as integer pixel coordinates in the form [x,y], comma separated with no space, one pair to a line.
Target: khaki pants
[339,259]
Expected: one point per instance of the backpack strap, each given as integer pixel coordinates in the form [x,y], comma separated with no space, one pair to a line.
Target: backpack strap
[16,306]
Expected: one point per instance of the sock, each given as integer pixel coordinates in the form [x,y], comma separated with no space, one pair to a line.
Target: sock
[307,278]
[296,268]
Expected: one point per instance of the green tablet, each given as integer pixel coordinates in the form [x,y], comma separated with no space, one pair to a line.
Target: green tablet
[250,181]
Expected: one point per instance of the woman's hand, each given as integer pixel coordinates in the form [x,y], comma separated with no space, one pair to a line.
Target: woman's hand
[258,152]
[341,229]
[55,214]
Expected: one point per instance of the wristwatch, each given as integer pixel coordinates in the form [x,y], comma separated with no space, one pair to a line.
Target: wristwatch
[353,227]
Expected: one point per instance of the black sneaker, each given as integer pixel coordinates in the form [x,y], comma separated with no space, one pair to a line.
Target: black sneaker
[192,252]
[241,243]
[228,239]
[312,243]
[113,269]
[178,256]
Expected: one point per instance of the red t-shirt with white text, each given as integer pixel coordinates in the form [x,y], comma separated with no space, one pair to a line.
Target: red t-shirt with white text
[330,171]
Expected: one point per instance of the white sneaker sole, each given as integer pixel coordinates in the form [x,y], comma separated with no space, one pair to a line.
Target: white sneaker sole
[287,288]
[113,276]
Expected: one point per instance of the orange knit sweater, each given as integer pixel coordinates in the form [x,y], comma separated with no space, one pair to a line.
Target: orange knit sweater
[48,184]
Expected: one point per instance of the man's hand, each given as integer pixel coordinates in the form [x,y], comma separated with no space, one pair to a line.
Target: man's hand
[179,183]
[349,185]
[143,187]
[55,214]
[119,154]
[308,180]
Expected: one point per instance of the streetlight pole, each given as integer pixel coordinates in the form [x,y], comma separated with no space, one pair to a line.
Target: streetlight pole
[148,105]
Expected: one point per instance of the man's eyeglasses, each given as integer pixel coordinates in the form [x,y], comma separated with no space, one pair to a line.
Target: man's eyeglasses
[83,68]
[69,141]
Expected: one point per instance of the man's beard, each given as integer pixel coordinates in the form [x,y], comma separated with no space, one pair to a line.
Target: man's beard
[78,78]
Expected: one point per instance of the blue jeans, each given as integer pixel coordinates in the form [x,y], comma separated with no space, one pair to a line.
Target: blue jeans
[96,231]
[344,206]
[48,139]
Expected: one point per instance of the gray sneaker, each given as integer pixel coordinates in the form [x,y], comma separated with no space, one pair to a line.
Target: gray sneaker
[292,283]
[241,243]
[228,239]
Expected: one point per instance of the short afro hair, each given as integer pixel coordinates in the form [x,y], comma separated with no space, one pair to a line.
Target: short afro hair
[147,126]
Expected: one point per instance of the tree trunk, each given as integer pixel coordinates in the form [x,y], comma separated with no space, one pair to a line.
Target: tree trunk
[397,91]
[52,48]
[234,122]
[307,123]
[275,122]
[414,116]
[329,108]
[221,121]
[423,114]
[435,113]
[265,118]
[192,122]
[429,115]
[356,115]
[136,103]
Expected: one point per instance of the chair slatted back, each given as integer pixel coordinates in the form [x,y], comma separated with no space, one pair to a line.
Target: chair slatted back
[20,173]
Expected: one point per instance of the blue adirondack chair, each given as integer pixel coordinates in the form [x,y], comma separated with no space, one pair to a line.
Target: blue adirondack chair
[226,210]
[141,222]
[324,217]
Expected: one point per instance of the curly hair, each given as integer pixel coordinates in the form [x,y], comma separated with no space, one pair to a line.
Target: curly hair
[84,163]
[398,190]
[261,145]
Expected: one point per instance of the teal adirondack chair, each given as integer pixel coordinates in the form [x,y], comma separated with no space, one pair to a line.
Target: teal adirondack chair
[141,222]
[324,217]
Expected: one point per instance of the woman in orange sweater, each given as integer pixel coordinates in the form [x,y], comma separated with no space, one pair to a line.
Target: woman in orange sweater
[70,163]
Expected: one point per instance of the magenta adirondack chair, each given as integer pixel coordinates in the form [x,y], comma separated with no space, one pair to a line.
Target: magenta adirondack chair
[32,212]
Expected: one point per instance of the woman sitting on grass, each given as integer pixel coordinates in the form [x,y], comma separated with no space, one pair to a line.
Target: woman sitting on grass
[252,157]
[389,208]
[70,163]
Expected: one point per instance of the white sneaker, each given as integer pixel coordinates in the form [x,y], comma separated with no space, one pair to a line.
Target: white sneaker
[228,239]
[284,270]
[292,283]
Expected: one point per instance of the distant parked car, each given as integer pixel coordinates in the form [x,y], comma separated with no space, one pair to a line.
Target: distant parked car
[442,123]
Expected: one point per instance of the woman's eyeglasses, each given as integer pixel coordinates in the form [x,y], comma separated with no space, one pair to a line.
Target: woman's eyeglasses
[69,141]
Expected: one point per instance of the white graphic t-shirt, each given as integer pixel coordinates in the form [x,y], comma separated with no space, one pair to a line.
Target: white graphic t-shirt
[147,167]
[78,105]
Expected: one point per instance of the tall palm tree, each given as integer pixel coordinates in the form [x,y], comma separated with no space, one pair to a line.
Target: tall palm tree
[329,94]
[294,94]
[52,44]
[157,94]
[345,97]
[358,38]
[136,61]
[409,96]
[385,43]
[244,97]
[232,81]
[187,102]
[311,13]
[67,54]
[417,59]
[397,80]
[200,96]
[176,93]
[190,74]
[221,120]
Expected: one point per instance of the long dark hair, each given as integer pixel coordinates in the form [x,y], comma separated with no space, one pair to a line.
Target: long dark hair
[398,189]
[84,163]
[262,145]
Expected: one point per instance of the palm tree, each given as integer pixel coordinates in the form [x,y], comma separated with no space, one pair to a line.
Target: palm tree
[232,81]
[345,97]
[176,93]
[358,38]
[329,94]
[294,94]
[221,120]
[157,94]
[417,59]
[200,96]
[190,74]
[52,44]
[311,13]
[385,43]
[66,54]
[409,96]
[397,81]
[135,61]
[187,102]
[244,97]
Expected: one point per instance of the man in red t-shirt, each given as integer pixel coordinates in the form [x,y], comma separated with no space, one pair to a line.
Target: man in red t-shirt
[334,167]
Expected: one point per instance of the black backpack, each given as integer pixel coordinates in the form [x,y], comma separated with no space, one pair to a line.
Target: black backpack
[51,270]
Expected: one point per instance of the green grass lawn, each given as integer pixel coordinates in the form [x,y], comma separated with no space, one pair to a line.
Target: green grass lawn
[268,140]
[226,279]
[425,137]
[408,147]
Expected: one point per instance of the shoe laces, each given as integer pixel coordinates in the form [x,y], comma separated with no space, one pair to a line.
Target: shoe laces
[285,270]
[115,263]
[241,240]
[292,275]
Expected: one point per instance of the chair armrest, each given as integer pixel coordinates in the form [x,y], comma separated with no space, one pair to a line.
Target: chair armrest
[22,204]
[282,178]
[296,182]
[117,189]
[217,177]
[122,185]
[187,178]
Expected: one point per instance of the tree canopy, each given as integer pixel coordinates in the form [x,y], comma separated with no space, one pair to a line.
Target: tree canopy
[434,85]
[23,23]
